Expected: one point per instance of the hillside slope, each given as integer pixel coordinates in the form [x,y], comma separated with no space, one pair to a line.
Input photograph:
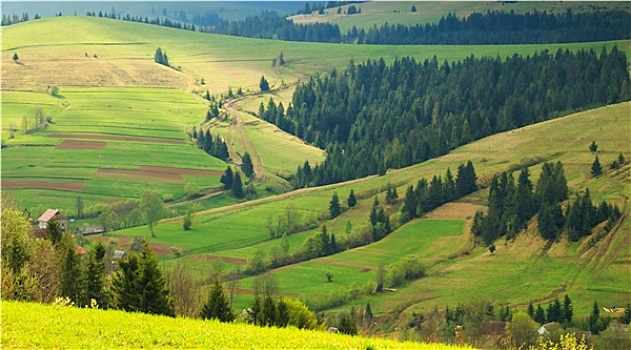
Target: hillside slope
[27,325]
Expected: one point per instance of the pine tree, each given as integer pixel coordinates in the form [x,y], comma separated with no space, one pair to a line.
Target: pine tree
[70,269]
[540,316]
[368,314]
[270,314]
[125,284]
[247,166]
[154,297]
[237,186]
[567,310]
[283,313]
[352,200]
[596,169]
[96,276]
[334,206]
[227,178]
[531,310]
[217,306]
[264,85]
[593,147]
[16,57]
[621,159]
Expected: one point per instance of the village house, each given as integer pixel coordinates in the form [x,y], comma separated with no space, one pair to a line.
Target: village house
[53,213]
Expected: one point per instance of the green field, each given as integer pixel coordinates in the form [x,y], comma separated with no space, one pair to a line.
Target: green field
[27,325]
[93,134]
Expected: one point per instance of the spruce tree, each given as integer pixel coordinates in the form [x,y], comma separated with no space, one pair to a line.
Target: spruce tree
[154,295]
[237,186]
[270,314]
[540,316]
[125,284]
[593,147]
[16,57]
[96,276]
[70,269]
[283,313]
[334,206]
[217,306]
[352,200]
[264,85]
[227,178]
[246,165]
[567,310]
[596,169]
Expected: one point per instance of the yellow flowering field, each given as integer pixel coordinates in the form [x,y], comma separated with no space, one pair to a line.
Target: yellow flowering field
[29,325]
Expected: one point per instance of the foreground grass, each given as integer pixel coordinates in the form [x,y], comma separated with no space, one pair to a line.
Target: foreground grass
[27,325]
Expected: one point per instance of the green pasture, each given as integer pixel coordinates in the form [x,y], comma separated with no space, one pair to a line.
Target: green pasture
[399,12]
[135,126]
[223,61]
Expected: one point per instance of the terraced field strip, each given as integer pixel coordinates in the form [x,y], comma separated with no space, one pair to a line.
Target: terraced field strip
[72,144]
[140,175]
[115,138]
[46,185]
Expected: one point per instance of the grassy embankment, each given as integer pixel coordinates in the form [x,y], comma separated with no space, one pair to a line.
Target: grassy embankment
[28,325]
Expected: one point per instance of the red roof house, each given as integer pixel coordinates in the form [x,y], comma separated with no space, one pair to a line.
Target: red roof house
[48,215]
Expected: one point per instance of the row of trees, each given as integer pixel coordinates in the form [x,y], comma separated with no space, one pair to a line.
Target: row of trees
[427,196]
[232,182]
[373,116]
[214,146]
[13,19]
[512,205]
[494,27]
[161,57]
[556,312]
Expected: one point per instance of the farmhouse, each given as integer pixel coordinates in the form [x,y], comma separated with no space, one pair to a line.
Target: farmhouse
[53,213]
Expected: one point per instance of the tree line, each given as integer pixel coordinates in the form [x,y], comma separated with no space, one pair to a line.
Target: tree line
[374,116]
[495,27]
[512,205]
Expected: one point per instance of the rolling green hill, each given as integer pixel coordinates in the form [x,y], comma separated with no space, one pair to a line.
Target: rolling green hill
[119,116]
[515,262]
[80,53]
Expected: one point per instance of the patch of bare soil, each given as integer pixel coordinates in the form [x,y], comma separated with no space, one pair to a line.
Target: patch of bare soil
[115,138]
[46,185]
[455,210]
[131,174]
[72,144]
[181,171]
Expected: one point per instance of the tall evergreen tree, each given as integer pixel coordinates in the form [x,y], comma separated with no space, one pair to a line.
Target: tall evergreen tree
[351,200]
[237,186]
[263,84]
[96,276]
[71,271]
[125,284]
[334,206]
[596,169]
[246,165]
[568,311]
[217,306]
[227,178]
[154,297]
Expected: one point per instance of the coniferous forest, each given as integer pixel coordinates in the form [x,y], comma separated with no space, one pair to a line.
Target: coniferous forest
[374,116]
